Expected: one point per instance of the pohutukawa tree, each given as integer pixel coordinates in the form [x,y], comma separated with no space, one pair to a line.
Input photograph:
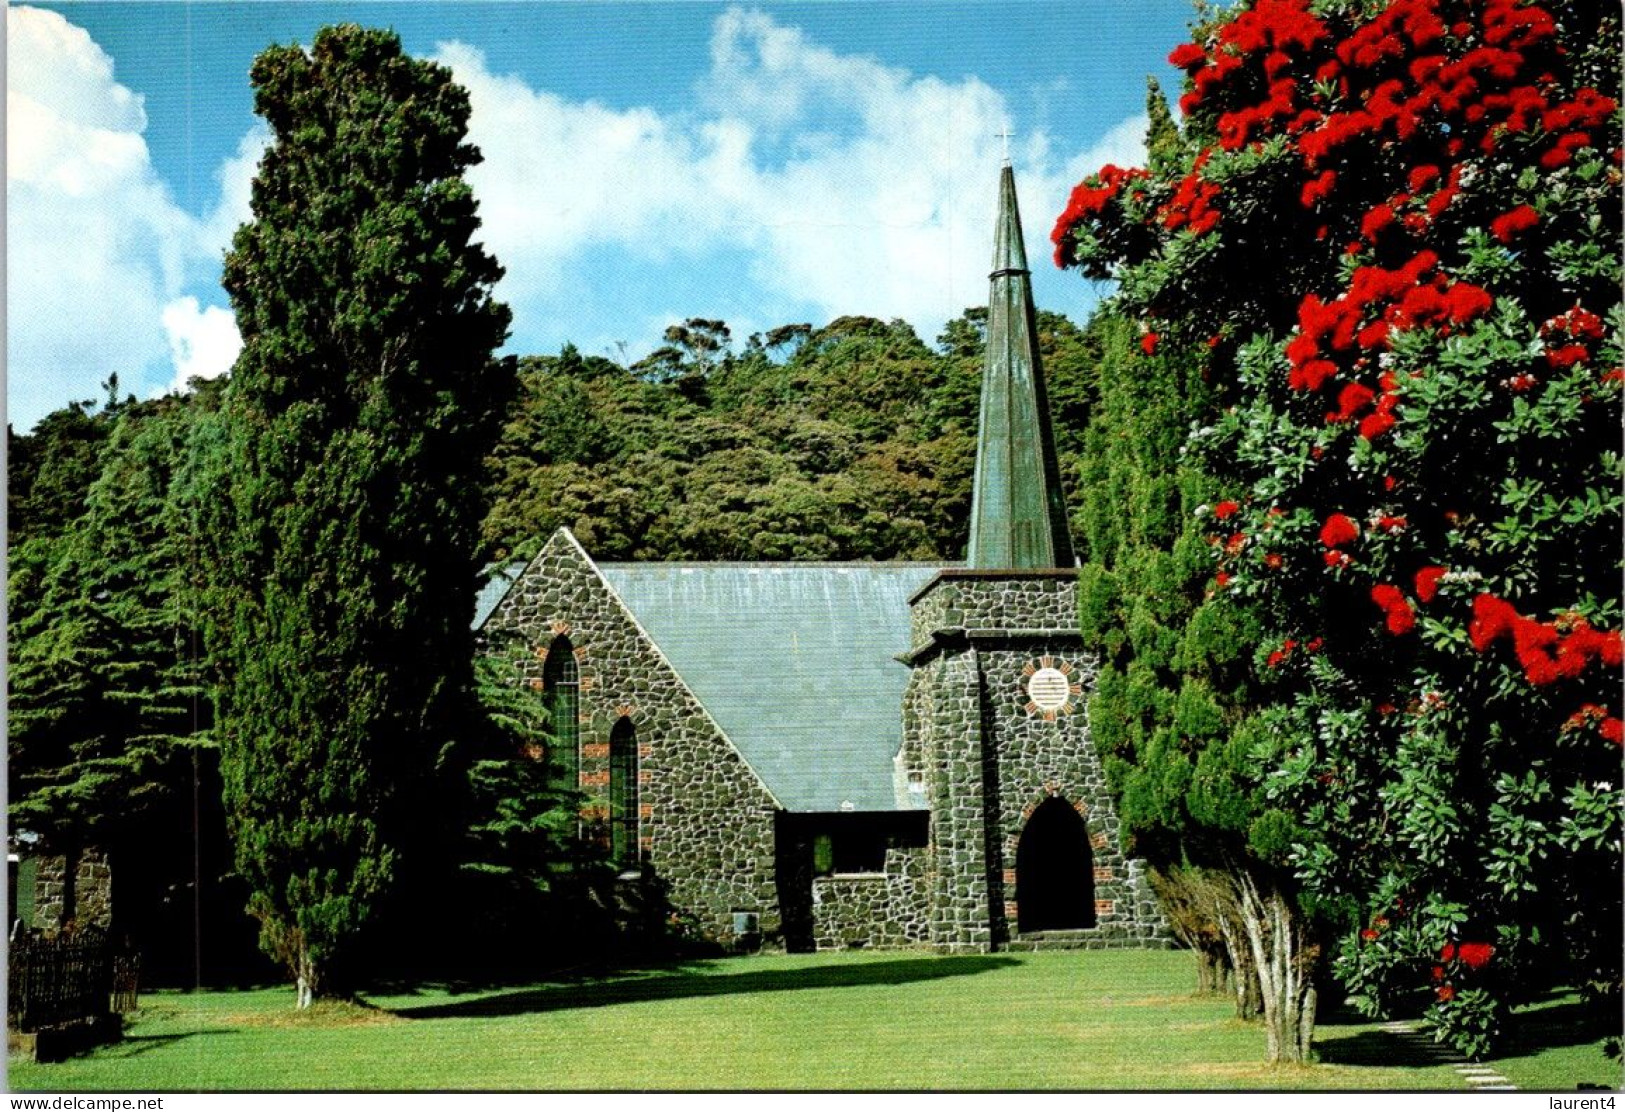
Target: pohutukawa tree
[363,403]
[1394,232]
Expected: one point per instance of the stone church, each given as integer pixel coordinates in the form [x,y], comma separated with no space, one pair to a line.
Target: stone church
[831,755]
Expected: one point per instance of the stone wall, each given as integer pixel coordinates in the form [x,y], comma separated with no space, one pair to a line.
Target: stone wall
[89,889]
[1006,602]
[991,755]
[883,910]
[706,818]
[942,739]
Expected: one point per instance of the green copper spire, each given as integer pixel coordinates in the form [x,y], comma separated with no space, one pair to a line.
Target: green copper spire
[1017,517]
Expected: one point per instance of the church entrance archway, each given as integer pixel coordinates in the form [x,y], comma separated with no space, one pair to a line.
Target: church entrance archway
[1055,871]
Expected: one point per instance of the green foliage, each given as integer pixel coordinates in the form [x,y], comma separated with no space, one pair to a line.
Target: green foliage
[106,694]
[1412,326]
[849,441]
[358,413]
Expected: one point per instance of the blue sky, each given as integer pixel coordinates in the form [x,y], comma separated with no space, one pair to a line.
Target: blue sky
[762,164]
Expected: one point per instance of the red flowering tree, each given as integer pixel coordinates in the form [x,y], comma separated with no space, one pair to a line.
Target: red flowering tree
[1395,232]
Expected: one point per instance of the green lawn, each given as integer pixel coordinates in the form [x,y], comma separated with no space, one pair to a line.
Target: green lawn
[1112,1020]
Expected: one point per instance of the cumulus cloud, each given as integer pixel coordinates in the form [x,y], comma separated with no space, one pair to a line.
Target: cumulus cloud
[203,340]
[96,245]
[803,184]
[832,184]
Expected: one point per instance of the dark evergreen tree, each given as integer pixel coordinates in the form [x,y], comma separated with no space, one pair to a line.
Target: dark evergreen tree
[1169,711]
[359,412]
[104,683]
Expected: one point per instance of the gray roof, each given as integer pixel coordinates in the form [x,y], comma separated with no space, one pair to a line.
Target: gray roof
[794,661]
[493,590]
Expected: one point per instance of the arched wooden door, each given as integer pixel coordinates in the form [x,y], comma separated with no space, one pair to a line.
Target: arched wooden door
[1055,871]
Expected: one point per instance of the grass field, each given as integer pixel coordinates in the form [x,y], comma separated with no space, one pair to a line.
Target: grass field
[1095,1020]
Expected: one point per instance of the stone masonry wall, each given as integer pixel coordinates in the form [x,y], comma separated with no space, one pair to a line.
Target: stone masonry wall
[91,892]
[968,600]
[942,738]
[883,910]
[706,818]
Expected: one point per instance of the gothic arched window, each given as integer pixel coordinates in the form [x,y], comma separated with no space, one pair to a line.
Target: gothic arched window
[623,795]
[561,683]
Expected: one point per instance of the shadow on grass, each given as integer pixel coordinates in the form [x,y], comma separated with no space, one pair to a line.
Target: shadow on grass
[681,985]
[1375,1048]
[1547,1026]
[131,1046]
[1543,1027]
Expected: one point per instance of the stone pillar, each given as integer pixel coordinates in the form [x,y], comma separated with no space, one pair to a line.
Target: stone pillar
[953,764]
[73,891]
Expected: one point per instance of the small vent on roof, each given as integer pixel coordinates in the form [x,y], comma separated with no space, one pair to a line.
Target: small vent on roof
[847,805]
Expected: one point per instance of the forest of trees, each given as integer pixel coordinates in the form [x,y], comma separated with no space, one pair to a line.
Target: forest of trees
[852,441]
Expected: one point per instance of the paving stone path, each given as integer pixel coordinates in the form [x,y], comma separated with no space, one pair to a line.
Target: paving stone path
[1479,1078]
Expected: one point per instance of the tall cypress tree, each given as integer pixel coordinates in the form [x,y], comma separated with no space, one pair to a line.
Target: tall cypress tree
[364,400]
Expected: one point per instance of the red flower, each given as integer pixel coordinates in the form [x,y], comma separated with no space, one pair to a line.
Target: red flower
[1376,424]
[1400,619]
[1391,524]
[1148,343]
[1445,993]
[1567,356]
[1476,955]
[1225,509]
[1187,56]
[1273,561]
[1448,952]
[1368,935]
[1319,189]
[1613,729]
[1492,617]
[1222,579]
[1372,224]
[1335,558]
[1427,582]
[1339,529]
[1422,177]
[1508,225]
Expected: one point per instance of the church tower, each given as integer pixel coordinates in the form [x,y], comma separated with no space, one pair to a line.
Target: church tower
[1023,847]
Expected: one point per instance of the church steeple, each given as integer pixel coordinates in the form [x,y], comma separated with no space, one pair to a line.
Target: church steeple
[1018,516]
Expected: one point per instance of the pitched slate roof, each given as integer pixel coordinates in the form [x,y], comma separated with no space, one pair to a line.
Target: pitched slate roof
[497,580]
[795,663]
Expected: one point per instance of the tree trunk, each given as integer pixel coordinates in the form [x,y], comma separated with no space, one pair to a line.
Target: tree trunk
[307,978]
[1212,966]
[1184,893]
[1284,955]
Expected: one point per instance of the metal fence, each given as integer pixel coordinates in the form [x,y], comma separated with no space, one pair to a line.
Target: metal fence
[82,975]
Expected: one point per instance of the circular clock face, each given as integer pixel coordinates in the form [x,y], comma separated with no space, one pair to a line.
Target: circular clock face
[1049,689]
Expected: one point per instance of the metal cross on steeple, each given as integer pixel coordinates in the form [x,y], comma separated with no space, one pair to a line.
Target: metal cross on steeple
[1005,136]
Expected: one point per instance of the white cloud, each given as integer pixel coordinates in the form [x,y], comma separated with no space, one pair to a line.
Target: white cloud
[1123,145]
[96,246]
[203,341]
[235,178]
[805,184]
[846,186]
